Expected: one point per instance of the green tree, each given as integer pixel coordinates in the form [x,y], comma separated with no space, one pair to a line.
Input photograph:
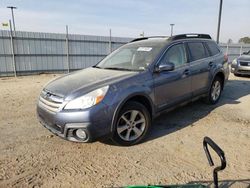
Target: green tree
[245,40]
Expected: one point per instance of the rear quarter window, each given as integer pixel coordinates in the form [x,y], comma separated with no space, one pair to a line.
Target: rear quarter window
[197,50]
[213,48]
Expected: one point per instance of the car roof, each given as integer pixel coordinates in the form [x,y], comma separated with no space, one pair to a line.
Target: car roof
[162,40]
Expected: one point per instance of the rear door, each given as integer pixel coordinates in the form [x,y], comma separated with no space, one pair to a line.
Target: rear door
[200,66]
[172,87]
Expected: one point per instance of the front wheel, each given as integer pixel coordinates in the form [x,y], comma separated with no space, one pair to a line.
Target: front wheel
[215,91]
[132,125]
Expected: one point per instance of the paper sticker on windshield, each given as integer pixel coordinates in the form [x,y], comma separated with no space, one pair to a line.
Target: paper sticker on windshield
[144,49]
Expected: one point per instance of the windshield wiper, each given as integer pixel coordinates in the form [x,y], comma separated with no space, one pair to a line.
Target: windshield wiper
[118,68]
[96,67]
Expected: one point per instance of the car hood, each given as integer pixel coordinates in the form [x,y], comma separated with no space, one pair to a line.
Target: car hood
[244,58]
[84,81]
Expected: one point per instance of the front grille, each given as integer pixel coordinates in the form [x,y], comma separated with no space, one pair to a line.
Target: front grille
[244,71]
[50,101]
[244,63]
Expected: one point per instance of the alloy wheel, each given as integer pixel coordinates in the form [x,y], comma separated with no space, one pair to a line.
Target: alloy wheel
[131,125]
[216,90]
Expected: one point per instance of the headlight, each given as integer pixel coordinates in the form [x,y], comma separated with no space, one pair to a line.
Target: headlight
[234,62]
[88,100]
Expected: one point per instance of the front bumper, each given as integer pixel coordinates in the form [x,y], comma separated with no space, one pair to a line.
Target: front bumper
[239,69]
[96,122]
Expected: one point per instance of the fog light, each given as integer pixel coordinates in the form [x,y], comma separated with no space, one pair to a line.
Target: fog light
[80,133]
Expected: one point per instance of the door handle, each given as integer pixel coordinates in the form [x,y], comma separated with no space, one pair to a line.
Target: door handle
[186,72]
[211,64]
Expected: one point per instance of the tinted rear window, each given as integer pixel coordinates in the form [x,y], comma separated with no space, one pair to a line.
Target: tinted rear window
[213,48]
[197,50]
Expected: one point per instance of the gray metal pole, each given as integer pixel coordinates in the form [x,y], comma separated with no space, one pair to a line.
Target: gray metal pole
[67,47]
[172,29]
[12,50]
[13,19]
[240,49]
[110,41]
[219,22]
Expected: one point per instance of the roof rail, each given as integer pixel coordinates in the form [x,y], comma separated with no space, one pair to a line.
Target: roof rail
[191,35]
[145,38]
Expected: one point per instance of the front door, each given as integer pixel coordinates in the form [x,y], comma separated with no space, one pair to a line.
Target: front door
[172,87]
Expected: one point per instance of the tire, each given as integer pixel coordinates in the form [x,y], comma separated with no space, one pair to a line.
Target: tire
[215,91]
[126,131]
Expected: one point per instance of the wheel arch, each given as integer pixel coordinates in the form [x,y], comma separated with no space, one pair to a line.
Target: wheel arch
[137,97]
[221,75]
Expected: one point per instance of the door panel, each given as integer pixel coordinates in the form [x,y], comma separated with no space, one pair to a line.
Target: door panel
[172,87]
[199,72]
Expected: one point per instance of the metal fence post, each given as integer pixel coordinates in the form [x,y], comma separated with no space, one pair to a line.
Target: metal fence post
[240,49]
[219,22]
[110,41]
[12,50]
[67,47]
[227,49]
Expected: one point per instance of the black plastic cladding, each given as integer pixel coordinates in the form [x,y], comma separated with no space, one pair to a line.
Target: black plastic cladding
[191,35]
[145,38]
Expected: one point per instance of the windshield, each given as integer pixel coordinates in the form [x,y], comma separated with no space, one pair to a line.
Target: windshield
[247,53]
[131,57]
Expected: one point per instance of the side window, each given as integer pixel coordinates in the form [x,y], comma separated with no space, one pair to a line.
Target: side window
[176,54]
[213,48]
[197,51]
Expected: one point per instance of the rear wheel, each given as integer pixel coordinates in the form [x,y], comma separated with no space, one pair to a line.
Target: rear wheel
[215,91]
[132,125]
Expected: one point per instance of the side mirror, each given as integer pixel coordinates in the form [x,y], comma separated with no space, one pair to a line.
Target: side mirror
[165,67]
[245,53]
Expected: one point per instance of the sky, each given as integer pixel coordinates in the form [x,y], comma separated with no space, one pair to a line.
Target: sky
[129,18]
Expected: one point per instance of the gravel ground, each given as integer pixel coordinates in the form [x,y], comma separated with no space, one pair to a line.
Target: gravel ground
[30,156]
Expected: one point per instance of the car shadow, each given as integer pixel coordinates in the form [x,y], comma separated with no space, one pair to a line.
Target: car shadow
[225,183]
[187,115]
